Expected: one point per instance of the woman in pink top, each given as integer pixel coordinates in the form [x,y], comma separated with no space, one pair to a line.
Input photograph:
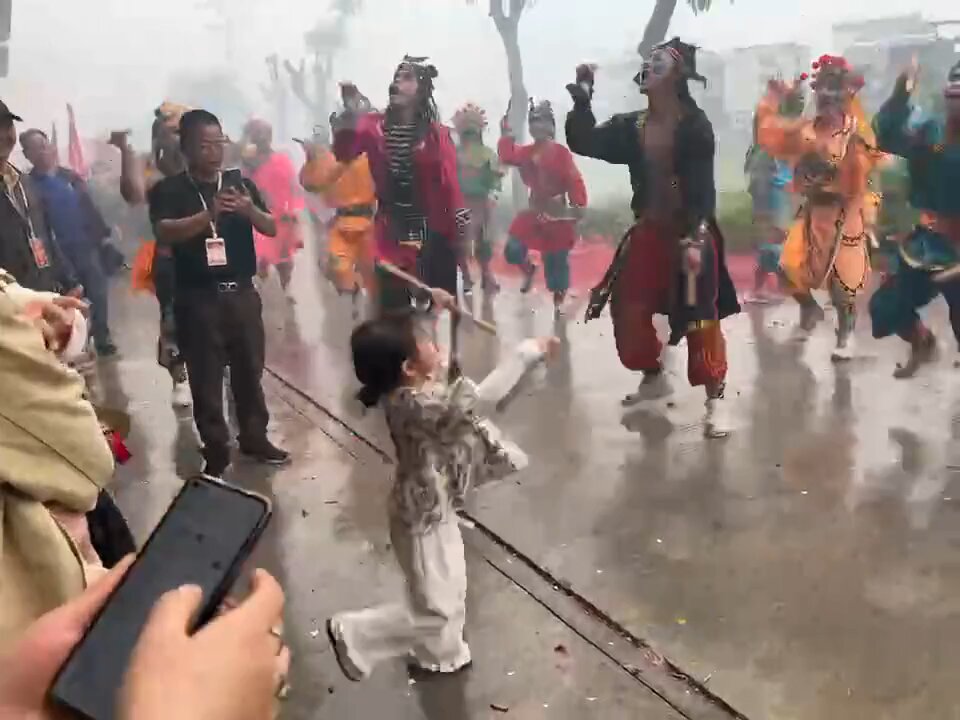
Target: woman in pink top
[275,176]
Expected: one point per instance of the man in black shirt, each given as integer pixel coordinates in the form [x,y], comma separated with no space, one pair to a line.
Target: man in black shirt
[207,217]
[27,250]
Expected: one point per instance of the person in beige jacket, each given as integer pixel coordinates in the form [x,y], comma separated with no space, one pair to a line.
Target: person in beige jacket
[54,458]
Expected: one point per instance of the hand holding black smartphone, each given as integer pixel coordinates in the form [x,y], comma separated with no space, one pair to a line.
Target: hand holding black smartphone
[204,538]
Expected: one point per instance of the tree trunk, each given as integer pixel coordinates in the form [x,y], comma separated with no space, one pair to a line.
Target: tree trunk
[509,29]
[657,26]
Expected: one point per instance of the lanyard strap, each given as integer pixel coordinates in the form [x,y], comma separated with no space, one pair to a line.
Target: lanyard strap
[213,224]
[26,206]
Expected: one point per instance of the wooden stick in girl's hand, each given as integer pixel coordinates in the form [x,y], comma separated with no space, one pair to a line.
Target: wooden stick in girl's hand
[417,283]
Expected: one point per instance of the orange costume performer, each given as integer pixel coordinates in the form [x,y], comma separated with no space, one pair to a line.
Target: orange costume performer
[832,155]
[348,189]
[275,176]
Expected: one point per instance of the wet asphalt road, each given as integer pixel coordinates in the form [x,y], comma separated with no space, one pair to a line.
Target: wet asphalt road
[804,567]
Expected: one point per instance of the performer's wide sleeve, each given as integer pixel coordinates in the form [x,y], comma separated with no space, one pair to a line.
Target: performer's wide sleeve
[890,123]
[576,187]
[502,380]
[351,142]
[780,136]
[603,142]
[509,152]
[320,173]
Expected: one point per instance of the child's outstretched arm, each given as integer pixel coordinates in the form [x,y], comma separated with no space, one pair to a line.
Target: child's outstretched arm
[500,383]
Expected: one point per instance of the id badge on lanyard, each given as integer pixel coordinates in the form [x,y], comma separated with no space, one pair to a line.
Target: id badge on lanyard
[216,248]
[37,247]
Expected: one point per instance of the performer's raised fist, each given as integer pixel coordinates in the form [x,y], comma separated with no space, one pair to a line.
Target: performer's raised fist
[582,90]
[505,129]
[911,74]
[780,87]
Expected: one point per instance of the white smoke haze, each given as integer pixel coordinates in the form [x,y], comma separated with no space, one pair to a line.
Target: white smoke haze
[116,60]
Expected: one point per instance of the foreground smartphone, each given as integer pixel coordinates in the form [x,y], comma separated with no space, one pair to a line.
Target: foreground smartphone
[203,539]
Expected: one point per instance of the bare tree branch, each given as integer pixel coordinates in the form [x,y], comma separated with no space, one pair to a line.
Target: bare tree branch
[657,25]
[298,84]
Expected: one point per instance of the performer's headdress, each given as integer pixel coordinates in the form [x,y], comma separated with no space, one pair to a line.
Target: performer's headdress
[470,118]
[424,73]
[541,112]
[163,136]
[686,56]
[953,82]
[168,115]
[835,66]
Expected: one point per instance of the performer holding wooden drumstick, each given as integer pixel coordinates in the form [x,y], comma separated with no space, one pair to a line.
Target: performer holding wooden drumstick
[672,260]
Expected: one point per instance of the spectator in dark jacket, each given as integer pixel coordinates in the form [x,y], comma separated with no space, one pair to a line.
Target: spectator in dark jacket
[77,225]
[27,249]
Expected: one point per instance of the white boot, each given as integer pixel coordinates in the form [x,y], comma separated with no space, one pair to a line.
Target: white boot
[655,386]
[717,422]
[845,349]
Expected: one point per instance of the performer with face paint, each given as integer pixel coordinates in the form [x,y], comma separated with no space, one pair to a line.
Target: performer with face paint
[557,198]
[832,155]
[480,179]
[672,260]
[421,216]
[930,255]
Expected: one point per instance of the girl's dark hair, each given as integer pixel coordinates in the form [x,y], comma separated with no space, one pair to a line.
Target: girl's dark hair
[379,349]
[192,122]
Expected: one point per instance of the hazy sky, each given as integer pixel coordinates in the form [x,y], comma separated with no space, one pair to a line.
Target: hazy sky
[113,59]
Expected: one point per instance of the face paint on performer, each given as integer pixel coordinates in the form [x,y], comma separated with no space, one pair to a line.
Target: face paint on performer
[659,69]
[541,130]
[831,93]
[403,89]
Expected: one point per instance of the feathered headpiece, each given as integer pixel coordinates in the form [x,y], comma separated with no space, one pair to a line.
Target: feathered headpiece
[469,118]
[424,73]
[541,111]
[953,82]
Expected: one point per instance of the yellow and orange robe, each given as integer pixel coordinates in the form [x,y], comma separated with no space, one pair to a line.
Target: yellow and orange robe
[347,188]
[828,240]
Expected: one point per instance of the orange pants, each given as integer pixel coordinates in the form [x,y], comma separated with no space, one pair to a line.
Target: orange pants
[351,257]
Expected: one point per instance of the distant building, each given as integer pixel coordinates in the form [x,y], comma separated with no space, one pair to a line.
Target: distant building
[749,70]
[882,48]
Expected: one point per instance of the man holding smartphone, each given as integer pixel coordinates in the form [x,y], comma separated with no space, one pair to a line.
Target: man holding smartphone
[207,216]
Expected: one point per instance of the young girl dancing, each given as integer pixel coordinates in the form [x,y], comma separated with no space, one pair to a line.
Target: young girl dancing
[444,444]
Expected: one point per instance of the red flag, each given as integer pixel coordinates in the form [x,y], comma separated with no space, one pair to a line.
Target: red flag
[74,148]
[55,143]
